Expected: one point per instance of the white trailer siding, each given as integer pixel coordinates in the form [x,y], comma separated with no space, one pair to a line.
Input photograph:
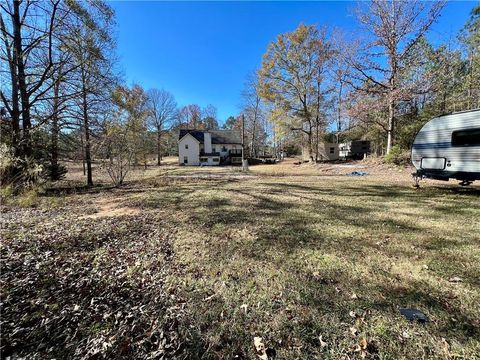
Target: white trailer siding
[433,146]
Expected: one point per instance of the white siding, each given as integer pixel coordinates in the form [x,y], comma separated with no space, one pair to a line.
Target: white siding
[192,153]
[435,138]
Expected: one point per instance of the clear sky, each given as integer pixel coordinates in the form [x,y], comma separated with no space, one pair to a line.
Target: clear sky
[202,51]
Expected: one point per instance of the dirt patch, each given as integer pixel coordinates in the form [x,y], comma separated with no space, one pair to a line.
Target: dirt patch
[110,208]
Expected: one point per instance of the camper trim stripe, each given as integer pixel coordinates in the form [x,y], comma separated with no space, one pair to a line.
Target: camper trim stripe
[438,145]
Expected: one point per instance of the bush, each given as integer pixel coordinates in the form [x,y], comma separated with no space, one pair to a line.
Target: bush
[398,156]
[29,198]
[5,192]
[20,173]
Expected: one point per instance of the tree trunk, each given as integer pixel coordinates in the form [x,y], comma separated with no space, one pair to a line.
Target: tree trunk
[82,150]
[391,120]
[159,146]
[86,125]
[22,85]
[255,115]
[310,145]
[55,175]
[15,105]
[470,83]
[339,113]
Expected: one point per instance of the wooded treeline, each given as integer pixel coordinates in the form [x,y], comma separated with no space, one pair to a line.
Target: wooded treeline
[322,84]
[62,96]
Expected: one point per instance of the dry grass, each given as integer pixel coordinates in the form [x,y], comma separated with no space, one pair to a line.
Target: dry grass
[289,253]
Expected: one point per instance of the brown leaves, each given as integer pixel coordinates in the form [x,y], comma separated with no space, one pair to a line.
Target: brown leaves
[88,288]
[262,352]
[361,347]
[260,348]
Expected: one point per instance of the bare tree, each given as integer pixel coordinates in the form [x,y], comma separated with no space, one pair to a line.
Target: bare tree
[395,28]
[209,117]
[28,47]
[254,112]
[162,110]
[91,44]
[190,116]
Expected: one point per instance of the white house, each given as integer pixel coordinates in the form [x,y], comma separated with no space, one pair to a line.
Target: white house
[209,147]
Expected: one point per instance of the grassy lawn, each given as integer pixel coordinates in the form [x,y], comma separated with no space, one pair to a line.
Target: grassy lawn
[316,263]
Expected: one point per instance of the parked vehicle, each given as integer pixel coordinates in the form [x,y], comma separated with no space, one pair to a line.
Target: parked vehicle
[448,147]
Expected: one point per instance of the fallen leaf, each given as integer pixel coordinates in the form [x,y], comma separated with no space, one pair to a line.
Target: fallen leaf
[353,296]
[352,314]
[455,279]
[446,346]
[363,343]
[353,330]
[322,343]
[244,307]
[208,298]
[260,348]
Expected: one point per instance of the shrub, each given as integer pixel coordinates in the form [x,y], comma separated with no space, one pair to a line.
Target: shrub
[20,173]
[28,198]
[397,156]
[5,192]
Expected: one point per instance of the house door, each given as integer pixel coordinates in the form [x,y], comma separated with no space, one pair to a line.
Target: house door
[185,159]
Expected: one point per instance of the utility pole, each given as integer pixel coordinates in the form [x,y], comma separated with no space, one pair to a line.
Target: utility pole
[244,162]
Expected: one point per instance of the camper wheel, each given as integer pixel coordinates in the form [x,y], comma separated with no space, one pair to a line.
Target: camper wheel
[465,183]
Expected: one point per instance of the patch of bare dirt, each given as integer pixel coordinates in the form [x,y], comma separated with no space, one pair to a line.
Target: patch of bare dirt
[111,207]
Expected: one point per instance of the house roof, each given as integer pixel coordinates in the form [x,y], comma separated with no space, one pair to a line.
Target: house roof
[218,136]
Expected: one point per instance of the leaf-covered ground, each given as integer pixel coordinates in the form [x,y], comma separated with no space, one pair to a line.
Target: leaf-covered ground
[316,264]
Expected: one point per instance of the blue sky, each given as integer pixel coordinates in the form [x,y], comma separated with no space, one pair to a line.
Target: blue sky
[202,51]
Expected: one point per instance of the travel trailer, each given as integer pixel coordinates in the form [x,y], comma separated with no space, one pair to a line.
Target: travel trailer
[448,147]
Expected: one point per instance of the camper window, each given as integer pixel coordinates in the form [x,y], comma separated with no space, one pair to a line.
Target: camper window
[470,137]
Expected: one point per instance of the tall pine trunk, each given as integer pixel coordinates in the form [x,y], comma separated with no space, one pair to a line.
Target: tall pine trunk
[22,84]
[86,126]
[54,172]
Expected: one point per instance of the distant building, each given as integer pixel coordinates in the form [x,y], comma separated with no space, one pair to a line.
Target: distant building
[326,152]
[356,149]
[209,147]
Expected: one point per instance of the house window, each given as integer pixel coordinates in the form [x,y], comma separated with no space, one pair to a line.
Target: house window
[470,137]
[185,159]
[203,159]
[332,150]
[224,149]
[213,150]
[216,159]
[186,146]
